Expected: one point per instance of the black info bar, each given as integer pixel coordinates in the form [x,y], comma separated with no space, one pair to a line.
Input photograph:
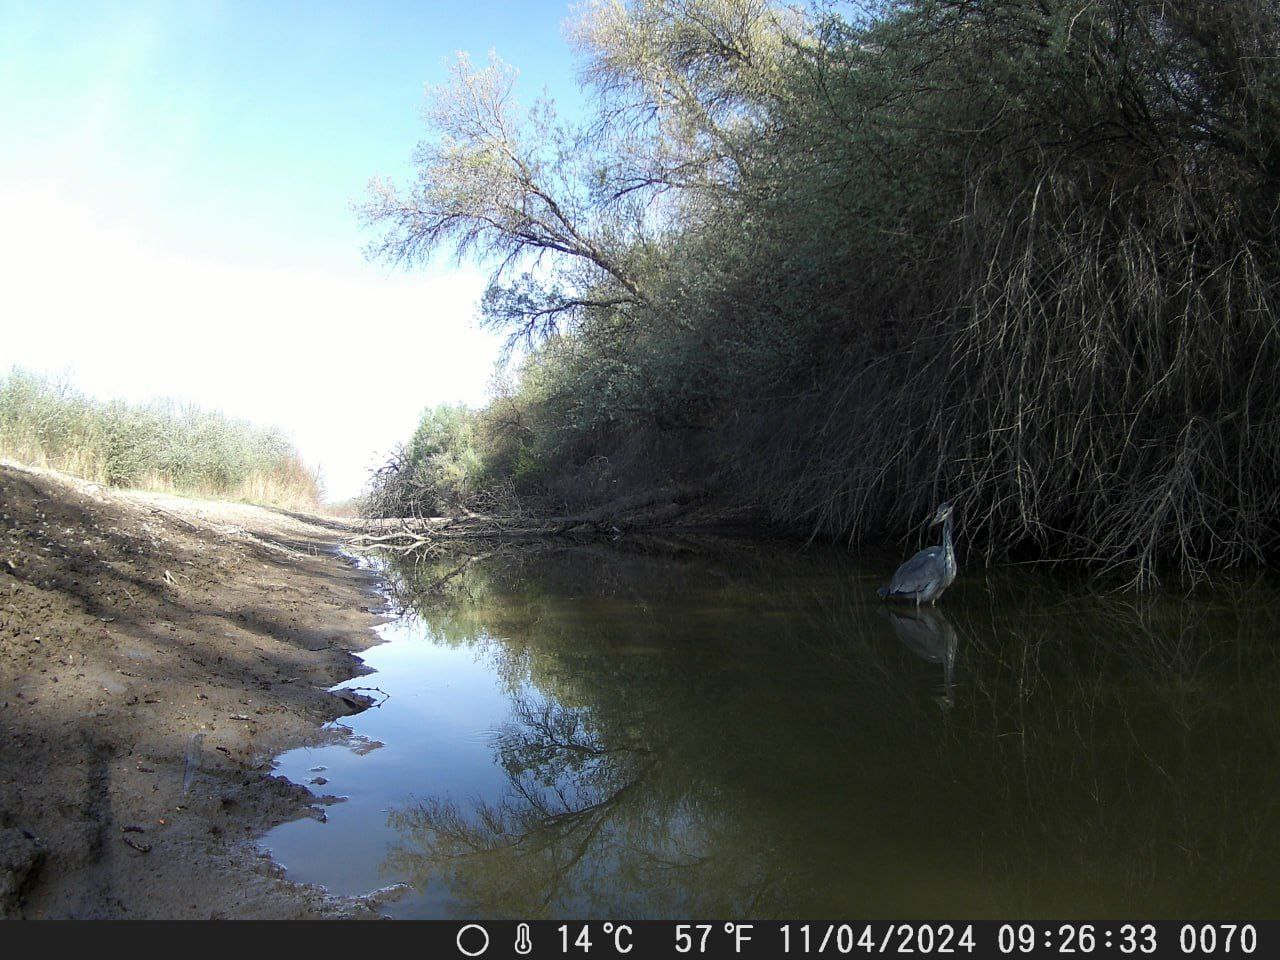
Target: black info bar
[602,939]
[982,938]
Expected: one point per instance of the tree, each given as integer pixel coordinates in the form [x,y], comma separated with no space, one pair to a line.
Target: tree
[508,186]
[685,85]
[566,213]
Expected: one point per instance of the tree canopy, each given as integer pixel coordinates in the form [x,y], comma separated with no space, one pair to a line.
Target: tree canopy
[1020,254]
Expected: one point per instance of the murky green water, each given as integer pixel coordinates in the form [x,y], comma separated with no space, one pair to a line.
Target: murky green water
[749,732]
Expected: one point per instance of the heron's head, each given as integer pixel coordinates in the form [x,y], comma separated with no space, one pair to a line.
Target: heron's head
[942,513]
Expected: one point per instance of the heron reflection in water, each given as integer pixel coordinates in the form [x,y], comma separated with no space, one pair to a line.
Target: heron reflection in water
[928,634]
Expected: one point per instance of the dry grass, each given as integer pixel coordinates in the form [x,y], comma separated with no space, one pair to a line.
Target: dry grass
[161,446]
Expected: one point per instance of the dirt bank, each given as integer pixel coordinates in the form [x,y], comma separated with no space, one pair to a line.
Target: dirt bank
[147,639]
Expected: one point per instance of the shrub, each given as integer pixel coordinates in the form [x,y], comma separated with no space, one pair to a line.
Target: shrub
[156,446]
[435,473]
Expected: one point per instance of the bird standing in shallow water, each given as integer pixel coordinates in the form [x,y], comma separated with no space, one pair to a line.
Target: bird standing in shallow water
[923,578]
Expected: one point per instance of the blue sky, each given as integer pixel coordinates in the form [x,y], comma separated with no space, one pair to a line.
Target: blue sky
[175,189]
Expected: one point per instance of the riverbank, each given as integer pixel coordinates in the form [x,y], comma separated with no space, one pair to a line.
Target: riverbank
[155,653]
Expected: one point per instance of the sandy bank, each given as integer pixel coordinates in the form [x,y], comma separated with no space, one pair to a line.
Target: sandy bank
[146,640]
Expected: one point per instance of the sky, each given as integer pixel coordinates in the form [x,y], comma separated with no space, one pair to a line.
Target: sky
[176,182]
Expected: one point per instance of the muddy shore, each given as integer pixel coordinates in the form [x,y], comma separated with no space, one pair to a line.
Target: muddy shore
[155,653]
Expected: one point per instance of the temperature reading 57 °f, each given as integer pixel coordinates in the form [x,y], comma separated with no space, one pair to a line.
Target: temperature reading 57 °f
[579,939]
[692,937]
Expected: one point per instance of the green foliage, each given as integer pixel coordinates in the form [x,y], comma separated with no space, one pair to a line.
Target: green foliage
[436,473]
[159,445]
[1023,255]
[443,446]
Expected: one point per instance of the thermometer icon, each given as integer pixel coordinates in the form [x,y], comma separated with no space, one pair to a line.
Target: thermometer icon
[524,942]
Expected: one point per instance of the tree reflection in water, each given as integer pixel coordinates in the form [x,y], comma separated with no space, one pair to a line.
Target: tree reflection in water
[581,822]
[755,737]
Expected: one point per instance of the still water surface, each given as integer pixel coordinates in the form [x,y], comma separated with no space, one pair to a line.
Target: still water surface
[746,731]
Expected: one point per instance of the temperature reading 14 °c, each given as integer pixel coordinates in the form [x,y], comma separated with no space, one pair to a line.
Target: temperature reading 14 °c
[617,936]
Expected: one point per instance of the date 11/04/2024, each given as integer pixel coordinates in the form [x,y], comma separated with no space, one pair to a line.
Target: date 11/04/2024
[930,939]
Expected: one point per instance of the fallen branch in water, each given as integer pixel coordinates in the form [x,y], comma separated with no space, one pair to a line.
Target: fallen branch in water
[369,539]
[650,510]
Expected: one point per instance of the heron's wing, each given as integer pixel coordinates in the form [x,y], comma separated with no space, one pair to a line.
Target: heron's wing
[918,572]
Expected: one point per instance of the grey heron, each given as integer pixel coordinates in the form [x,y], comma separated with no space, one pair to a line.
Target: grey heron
[923,578]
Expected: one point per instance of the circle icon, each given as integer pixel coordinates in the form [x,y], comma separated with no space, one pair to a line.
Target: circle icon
[483,933]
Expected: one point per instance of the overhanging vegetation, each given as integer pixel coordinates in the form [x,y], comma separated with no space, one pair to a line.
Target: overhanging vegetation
[1017,254]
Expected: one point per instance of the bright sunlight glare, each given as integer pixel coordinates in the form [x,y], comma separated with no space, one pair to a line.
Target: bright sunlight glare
[275,345]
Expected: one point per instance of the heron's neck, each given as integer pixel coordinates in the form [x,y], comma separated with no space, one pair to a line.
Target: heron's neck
[947,548]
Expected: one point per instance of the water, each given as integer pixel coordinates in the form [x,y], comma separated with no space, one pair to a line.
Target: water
[747,732]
